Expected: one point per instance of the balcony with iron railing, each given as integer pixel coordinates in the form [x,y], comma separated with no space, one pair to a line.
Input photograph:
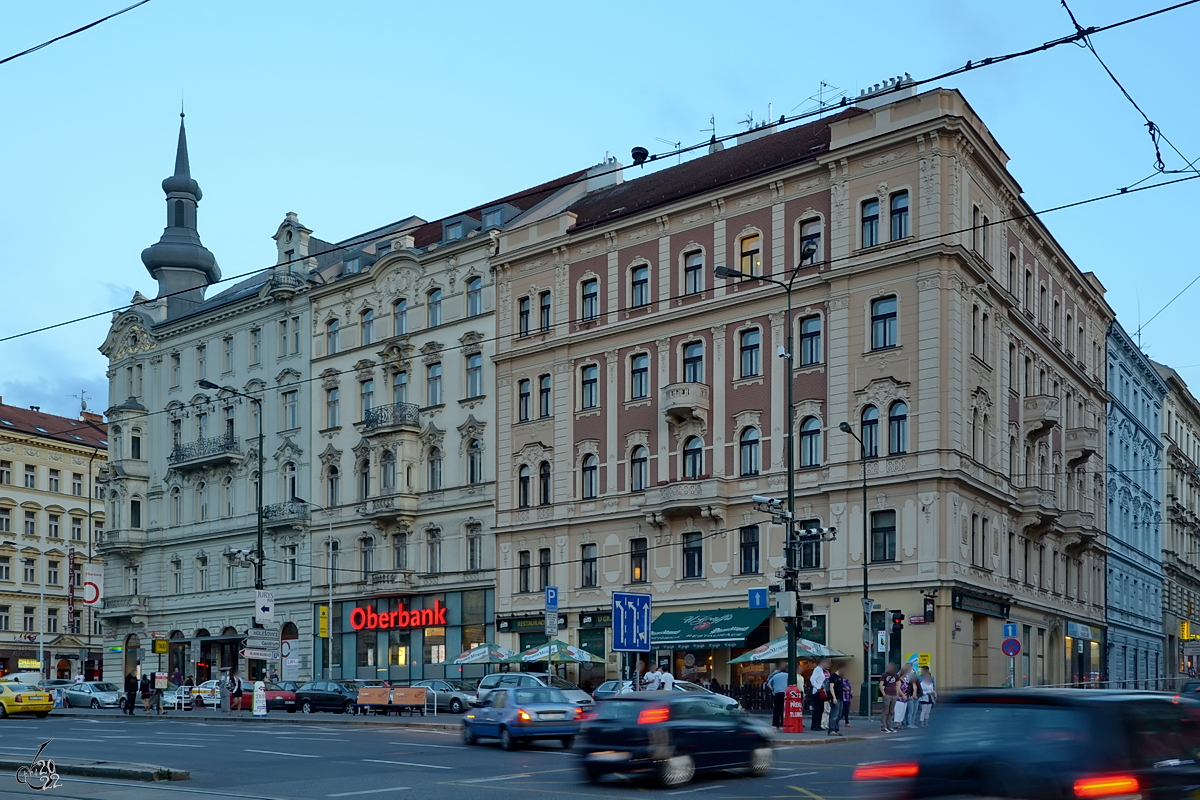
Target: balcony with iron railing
[391,416]
[210,451]
[389,508]
[393,578]
[282,515]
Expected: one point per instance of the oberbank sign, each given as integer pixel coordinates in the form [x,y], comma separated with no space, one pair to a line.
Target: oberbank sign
[367,617]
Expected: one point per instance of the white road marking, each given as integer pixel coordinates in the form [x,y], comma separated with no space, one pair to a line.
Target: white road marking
[439,746]
[169,744]
[697,789]
[498,778]
[151,787]
[277,753]
[793,775]
[369,791]
[283,737]
[404,763]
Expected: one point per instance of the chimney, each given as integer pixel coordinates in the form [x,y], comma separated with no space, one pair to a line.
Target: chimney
[88,416]
[35,408]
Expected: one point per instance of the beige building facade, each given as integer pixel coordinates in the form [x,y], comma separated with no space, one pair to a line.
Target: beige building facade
[644,405]
[51,517]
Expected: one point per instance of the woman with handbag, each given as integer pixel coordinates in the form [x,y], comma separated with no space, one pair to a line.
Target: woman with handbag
[820,693]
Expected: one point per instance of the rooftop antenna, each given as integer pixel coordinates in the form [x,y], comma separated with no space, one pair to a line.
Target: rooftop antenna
[675,145]
[711,130]
[82,398]
[748,121]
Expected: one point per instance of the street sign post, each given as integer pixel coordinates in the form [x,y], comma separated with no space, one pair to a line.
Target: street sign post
[551,612]
[1011,647]
[252,654]
[262,639]
[264,607]
[631,622]
[1010,630]
[551,598]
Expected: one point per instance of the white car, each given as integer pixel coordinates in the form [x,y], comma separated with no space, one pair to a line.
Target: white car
[207,695]
[93,694]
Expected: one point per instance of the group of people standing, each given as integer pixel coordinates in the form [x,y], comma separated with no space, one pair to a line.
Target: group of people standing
[658,679]
[231,687]
[908,698]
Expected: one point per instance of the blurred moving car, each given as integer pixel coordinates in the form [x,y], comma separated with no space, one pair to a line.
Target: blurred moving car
[17,698]
[671,736]
[610,689]
[207,694]
[522,714]
[178,698]
[1051,743]
[322,695]
[93,694]
[454,696]
[513,680]
[54,683]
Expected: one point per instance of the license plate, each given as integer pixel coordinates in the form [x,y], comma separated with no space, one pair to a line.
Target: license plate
[609,755]
[553,715]
[289,702]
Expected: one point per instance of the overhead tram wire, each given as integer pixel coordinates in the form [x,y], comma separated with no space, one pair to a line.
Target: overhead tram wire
[783,120]
[69,34]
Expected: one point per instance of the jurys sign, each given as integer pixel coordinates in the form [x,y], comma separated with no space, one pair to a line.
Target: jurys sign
[369,618]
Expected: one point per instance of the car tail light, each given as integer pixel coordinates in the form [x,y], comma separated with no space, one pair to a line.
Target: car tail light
[579,713]
[20,698]
[875,772]
[523,715]
[656,714]
[1106,786]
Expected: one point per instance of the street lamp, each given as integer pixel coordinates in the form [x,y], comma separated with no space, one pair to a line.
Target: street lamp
[329,610]
[864,702]
[790,586]
[258,486]
[41,608]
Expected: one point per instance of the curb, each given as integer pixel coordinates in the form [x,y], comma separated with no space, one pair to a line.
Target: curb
[292,719]
[830,740]
[106,769]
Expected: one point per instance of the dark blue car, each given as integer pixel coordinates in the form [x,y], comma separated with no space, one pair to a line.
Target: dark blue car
[517,716]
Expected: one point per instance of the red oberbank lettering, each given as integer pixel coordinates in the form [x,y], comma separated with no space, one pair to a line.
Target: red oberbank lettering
[367,617]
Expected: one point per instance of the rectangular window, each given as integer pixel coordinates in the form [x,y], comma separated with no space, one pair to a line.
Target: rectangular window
[295,335]
[810,547]
[750,255]
[640,295]
[435,308]
[31,523]
[899,216]
[639,377]
[332,417]
[590,387]
[475,375]
[870,223]
[524,400]
[400,387]
[638,553]
[543,568]
[5,618]
[201,574]
[54,526]
[5,568]
[76,529]
[591,568]
[883,536]
[810,341]
[523,316]
[5,520]
[29,570]
[544,406]
[433,376]
[52,576]
[751,563]
[54,478]
[227,354]
[135,514]
[400,316]
[52,620]
[30,620]
[544,312]
[174,370]
[883,323]
[256,346]
[751,352]
[291,410]
[474,548]
[693,273]
[591,300]
[523,571]
[291,563]
[76,484]
[201,361]
[5,473]
[693,556]
[135,452]
[30,476]
[693,362]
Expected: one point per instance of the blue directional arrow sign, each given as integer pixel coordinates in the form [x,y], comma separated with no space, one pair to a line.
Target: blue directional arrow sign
[631,622]
[1010,630]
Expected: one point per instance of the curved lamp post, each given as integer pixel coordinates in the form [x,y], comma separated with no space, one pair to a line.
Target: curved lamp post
[864,701]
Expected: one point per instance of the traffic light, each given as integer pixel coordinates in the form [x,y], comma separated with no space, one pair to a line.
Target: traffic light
[897,622]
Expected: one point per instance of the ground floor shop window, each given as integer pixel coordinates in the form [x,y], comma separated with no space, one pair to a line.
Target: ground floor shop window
[435,645]
[366,645]
[693,665]
[593,641]
[473,635]
[529,640]
[399,644]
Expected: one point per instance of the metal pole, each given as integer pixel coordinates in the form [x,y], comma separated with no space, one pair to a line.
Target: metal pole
[865,703]
[790,522]
[42,622]
[258,571]
[329,609]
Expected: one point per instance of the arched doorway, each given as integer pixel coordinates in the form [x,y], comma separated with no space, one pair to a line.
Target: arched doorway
[204,659]
[289,668]
[229,650]
[133,655]
[177,657]
[63,668]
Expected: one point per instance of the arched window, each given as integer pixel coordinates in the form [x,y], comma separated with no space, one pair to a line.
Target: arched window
[545,487]
[899,216]
[333,487]
[435,469]
[433,555]
[400,551]
[898,428]
[870,223]
[202,501]
[475,462]
[400,316]
[367,325]
[227,497]
[333,561]
[640,286]
[387,473]
[331,336]
[810,442]
[810,232]
[524,488]
[639,469]
[693,362]
[366,548]
[435,307]
[474,297]
[591,477]
[176,506]
[870,431]
[748,447]
[289,480]
[364,479]
[693,457]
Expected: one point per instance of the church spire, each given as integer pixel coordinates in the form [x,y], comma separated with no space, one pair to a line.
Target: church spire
[180,263]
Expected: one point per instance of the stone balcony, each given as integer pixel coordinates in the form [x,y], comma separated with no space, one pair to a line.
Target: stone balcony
[1081,444]
[1079,529]
[389,508]
[125,605]
[393,579]
[1039,509]
[118,539]
[1041,413]
[283,285]
[681,402]
[704,498]
[283,515]
[211,451]
[392,416]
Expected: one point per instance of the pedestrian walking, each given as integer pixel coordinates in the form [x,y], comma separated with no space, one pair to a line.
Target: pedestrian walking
[847,696]
[777,683]
[889,682]
[78,677]
[914,698]
[146,690]
[235,692]
[835,702]
[819,693]
[904,689]
[177,677]
[189,682]
[928,697]
[131,687]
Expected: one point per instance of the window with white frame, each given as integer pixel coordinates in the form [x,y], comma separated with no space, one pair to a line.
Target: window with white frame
[899,216]
[693,457]
[400,551]
[332,417]
[639,469]
[590,386]
[474,297]
[693,362]
[434,301]
[524,486]
[810,236]
[639,376]
[291,563]
[333,487]
[475,462]
[435,469]
[545,484]
[474,548]
[898,428]
[590,295]
[638,560]
[400,387]
[400,316]
[433,552]
[226,354]
[333,337]
[545,312]
[749,456]
[640,286]
[433,384]
[366,325]
[693,555]
[475,375]
[870,223]
[523,316]
[693,272]
[545,407]
[387,473]
[30,570]
[750,255]
[524,399]
[291,409]
[883,323]
[590,477]
[810,442]
[870,431]
[54,526]
[590,573]
[750,349]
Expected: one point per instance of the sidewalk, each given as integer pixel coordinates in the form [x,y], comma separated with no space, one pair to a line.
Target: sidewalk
[430,722]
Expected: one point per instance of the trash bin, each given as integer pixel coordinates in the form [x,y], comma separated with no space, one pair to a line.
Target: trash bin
[793,710]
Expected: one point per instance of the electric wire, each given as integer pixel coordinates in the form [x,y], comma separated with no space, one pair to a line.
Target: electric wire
[69,34]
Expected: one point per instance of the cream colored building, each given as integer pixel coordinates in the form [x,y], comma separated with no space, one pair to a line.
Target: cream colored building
[964,346]
[51,516]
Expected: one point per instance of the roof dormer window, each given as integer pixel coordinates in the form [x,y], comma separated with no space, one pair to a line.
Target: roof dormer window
[493,218]
[353,266]
[454,231]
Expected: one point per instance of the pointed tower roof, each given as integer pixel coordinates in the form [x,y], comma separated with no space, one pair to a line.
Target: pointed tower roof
[181,182]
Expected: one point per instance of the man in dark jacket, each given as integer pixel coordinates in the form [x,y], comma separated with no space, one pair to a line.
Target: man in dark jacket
[131,687]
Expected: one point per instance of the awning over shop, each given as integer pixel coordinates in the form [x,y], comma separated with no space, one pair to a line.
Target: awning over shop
[720,627]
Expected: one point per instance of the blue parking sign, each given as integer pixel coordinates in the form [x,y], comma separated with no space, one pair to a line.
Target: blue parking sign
[552,598]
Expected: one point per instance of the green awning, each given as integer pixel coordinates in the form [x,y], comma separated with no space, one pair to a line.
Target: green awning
[720,627]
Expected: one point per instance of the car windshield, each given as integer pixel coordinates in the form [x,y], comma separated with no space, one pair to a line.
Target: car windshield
[462,686]
[273,687]
[685,686]
[105,687]
[21,687]
[619,710]
[349,685]
[1034,732]
[544,695]
[559,683]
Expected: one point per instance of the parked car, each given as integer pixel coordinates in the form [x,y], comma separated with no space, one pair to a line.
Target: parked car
[278,698]
[323,695]
[288,686]
[17,698]
[454,696]
[1050,743]
[93,694]
[54,683]
[519,715]
[513,680]
[207,694]
[610,689]
[671,736]
[178,698]
[1190,687]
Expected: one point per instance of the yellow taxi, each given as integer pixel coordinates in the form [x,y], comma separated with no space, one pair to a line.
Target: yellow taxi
[17,698]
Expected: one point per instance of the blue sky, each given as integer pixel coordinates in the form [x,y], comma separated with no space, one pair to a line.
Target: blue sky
[355,114]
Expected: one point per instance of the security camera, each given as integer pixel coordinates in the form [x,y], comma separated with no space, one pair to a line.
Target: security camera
[766,501]
[782,351]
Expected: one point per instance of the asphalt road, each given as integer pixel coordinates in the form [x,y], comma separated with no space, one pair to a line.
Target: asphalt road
[317,761]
